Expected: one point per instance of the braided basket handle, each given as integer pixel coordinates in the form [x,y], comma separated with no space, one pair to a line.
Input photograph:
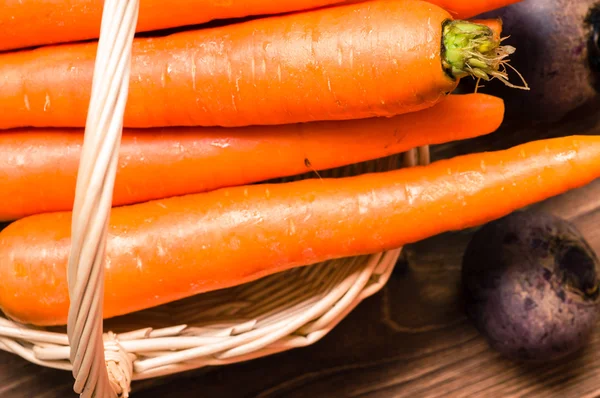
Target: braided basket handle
[93,200]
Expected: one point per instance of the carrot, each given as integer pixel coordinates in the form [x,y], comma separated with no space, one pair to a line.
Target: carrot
[164,250]
[379,58]
[38,167]
[463,9]
[68,21]
[75,20]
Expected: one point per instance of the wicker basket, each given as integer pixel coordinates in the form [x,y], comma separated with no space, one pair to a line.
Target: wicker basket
[290,309]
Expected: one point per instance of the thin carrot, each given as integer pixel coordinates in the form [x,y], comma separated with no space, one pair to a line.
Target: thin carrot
[463,9]
[76,20]
[164,250]
[38,167]
[380,58]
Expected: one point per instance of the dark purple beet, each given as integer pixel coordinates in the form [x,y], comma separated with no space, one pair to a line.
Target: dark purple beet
[556,54]
[530,282]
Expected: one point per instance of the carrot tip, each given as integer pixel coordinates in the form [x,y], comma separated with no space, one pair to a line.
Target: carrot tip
[473,49]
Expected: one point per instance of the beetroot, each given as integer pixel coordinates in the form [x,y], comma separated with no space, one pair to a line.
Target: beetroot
[558,56]
[530,284]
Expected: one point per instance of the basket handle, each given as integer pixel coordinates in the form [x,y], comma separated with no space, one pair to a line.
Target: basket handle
[93,200]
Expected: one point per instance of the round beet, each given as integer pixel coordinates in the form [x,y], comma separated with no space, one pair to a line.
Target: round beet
[530,283]
[557,55]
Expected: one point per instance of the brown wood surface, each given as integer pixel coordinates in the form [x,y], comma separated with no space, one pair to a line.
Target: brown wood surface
[410,340]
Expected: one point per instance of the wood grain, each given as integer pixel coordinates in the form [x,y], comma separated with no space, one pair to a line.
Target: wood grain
[410,340]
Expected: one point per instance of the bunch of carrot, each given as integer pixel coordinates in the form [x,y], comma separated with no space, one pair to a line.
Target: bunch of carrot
[215,111]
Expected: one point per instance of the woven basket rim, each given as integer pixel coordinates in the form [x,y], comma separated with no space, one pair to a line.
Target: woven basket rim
[296,320]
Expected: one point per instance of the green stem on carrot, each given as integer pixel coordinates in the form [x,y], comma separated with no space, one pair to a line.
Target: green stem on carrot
[472,49]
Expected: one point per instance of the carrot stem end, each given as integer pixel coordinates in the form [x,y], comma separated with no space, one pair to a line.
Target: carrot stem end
[472,49]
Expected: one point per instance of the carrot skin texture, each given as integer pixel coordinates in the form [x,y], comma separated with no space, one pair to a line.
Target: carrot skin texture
[38,167]
[163,250]
[379,58]
[76,20]
[21,27]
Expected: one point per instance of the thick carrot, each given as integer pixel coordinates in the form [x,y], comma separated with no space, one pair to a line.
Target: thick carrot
[379,58]
[164,250]
[38,167]
[68,21]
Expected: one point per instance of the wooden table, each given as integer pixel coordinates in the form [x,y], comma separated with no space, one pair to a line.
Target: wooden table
[410,340]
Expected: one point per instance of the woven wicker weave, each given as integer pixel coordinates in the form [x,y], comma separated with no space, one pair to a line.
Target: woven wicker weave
[291,309]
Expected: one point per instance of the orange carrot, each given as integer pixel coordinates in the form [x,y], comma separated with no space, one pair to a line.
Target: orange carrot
[164,250]
[462,9]
[379,58]
[75,20]
[38,168]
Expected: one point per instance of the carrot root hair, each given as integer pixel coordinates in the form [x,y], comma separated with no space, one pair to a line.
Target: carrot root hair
[474,49]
